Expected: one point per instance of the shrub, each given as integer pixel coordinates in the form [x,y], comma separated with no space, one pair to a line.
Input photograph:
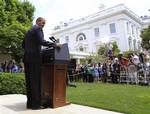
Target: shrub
[127,53]
[12,83]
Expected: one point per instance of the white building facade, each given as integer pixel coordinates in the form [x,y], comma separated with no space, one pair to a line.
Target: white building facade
[116,24]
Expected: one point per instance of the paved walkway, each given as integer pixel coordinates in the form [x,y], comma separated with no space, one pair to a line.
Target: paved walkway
[16,104]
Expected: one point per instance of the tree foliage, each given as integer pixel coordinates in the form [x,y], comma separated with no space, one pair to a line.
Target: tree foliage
[102,53]
[95,58]
[146,38]
[103,50]
[15,18]
[115,49]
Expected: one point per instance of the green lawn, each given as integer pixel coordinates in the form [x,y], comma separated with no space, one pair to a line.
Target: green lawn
[130,99]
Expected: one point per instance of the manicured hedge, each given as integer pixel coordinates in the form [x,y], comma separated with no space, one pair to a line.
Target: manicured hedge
[12,83]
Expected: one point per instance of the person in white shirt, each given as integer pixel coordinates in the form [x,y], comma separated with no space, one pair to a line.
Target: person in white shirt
[136,59]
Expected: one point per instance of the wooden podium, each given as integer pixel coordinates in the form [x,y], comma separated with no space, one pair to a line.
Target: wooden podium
[54,72]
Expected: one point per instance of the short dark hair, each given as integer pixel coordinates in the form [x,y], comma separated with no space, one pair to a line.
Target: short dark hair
[39,19]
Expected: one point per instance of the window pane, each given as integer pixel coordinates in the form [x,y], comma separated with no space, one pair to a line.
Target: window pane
[67,39]
[96,31]
[112,28]
[81,49]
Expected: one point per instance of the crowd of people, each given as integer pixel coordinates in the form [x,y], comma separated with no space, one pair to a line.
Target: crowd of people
[112,70]
[11,67]
[135,68]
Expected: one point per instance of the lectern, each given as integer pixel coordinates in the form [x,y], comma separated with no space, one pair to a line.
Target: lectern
[54,72]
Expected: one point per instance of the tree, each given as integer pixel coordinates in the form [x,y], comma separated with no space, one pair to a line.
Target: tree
[146,38]
[102,53]
[15,19]
[115,49]
[103,50]
[95,58]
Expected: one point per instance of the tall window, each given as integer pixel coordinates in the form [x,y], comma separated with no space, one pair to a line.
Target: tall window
[112,28]
[67,39]
[127,27]
[58,40]
[96,32]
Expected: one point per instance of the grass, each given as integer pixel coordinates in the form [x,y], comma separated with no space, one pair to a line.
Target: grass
[129,99]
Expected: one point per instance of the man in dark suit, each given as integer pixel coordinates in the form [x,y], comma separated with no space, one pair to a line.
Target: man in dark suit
[32,43]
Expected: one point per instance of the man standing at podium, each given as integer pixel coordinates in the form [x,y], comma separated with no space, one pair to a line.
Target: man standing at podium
[32,43]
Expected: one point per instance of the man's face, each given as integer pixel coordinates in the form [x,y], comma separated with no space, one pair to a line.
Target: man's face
[41,23]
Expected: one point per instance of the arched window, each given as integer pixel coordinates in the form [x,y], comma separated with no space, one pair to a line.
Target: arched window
[80,37]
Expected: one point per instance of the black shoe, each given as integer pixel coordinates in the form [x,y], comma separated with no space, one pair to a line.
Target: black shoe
[44,105]
[38,108]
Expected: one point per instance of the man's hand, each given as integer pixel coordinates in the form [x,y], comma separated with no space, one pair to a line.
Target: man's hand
[58,45]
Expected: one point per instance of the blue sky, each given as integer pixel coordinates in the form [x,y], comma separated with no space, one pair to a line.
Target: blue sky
[55,11]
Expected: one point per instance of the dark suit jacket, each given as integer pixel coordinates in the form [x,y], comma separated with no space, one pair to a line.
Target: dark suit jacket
[32,43]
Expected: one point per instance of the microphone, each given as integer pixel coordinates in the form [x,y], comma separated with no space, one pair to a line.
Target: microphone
[52,39]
